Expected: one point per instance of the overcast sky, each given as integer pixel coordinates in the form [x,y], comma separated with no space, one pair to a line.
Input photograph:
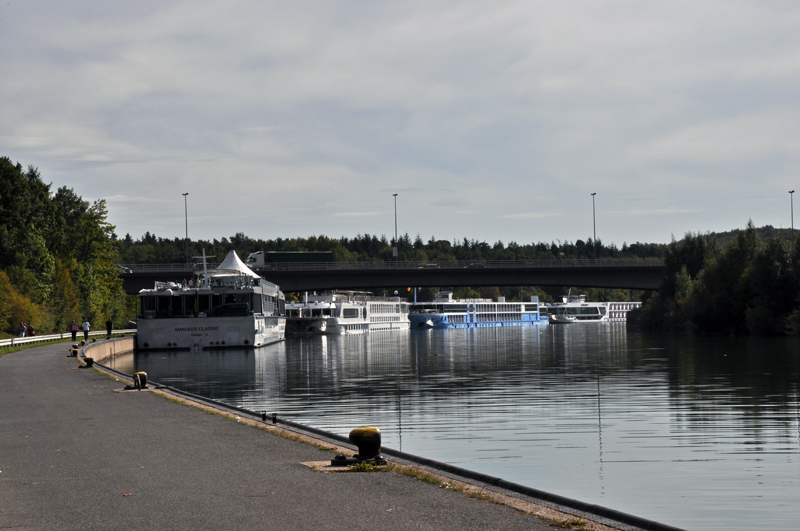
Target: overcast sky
[490,120]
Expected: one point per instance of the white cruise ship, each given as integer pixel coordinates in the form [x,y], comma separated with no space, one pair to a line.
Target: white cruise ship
[346,312]
[229,306]
[446,312]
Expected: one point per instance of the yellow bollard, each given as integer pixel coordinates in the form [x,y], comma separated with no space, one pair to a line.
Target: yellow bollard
[140,380]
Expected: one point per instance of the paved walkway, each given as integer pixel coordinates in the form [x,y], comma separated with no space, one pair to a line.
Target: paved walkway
[76,453]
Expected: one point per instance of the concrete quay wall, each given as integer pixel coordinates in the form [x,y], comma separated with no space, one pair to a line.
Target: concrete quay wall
[113,349]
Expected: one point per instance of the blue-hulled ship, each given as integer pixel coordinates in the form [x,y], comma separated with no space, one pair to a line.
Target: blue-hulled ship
[446,312]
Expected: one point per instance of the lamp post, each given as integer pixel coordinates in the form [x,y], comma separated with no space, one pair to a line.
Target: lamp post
[594,227]
[395,229]
[791,203]
[186,220]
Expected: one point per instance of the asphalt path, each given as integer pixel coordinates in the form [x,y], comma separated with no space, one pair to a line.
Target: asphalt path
[77,452]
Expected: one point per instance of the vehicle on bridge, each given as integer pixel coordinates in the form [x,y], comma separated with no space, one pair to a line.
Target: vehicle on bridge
[346,312]
[229,306]
[445,312]
[260,259]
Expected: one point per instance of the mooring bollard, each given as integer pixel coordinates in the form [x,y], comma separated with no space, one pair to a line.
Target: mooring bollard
[89,361]
[368,442]
[140,380]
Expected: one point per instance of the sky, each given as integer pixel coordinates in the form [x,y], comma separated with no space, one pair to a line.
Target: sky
[491,121]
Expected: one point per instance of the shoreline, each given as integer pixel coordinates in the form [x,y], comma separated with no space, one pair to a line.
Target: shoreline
[553,508]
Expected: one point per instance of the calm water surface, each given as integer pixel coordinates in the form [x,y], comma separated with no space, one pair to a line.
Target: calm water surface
[696,433]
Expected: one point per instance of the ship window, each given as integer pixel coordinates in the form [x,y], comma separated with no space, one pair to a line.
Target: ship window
[203,304]
[163,306]
[187,304]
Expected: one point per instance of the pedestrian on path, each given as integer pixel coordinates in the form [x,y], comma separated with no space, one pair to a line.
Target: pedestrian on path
[22,329]
[109,327]
[74,329]
[85,327]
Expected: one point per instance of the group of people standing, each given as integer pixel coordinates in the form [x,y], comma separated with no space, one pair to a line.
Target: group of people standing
[86,326]
[26,330]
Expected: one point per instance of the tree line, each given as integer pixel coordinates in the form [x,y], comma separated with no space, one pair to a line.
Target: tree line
[751,285]
[57,256]
[150,249]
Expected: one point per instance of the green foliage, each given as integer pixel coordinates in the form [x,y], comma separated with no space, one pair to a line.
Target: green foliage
[367,248]
[749,286]
[57,256]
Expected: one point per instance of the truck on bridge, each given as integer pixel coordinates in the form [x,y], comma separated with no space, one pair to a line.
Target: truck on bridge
[259,259]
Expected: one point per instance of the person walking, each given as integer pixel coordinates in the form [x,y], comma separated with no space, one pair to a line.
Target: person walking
[22,329]
[74,329]
[85,327]
[109,327]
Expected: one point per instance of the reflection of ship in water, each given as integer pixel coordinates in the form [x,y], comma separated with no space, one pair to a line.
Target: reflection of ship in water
[218,374]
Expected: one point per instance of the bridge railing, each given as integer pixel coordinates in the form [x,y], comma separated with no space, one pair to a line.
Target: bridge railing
[392,265]
[16,341]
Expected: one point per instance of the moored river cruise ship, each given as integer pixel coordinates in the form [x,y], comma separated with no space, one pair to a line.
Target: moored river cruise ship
[346,312]
[446,312]
[575,309]
[229,306]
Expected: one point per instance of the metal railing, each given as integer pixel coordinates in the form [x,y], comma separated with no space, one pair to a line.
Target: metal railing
[391,265]
[16,341]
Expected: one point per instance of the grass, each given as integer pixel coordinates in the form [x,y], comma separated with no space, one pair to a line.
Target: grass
[578,523]
[364,467]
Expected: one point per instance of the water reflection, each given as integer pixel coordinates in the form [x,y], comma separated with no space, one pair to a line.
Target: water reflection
[701,433]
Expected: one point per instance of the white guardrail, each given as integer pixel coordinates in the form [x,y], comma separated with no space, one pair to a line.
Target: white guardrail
[66,336]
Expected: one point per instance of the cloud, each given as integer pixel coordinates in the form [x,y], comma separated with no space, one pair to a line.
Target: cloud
[286,119]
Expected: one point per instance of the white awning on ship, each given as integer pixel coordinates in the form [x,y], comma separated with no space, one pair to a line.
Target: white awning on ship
[234,264]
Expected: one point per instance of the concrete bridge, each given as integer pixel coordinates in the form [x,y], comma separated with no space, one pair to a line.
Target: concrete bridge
[291,277]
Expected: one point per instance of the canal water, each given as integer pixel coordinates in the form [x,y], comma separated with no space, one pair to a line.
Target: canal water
[699,433]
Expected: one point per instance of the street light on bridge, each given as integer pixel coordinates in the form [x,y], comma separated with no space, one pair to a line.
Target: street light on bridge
[594,227]
[395,229]
[186,221]
[791,203]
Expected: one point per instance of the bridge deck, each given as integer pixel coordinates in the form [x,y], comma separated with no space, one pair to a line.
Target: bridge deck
[317,276]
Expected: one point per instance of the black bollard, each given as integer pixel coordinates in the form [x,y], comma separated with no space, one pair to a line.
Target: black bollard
[368,442]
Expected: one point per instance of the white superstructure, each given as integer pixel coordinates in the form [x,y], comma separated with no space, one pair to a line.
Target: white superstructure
[446,312]
[229,306]
[575,309]
[346,312]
